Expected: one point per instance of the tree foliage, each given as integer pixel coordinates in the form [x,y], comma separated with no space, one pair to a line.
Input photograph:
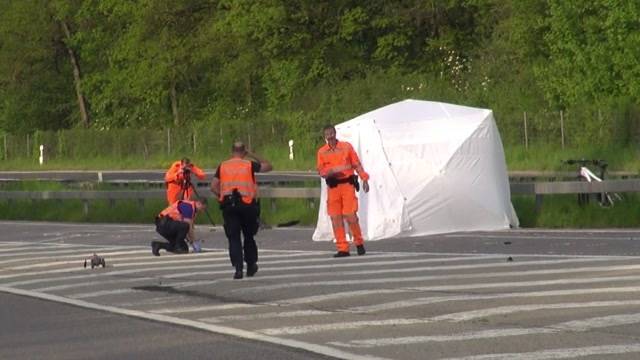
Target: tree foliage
[158,63]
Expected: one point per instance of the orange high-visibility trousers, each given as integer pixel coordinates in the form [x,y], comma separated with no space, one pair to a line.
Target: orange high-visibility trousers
[342,204]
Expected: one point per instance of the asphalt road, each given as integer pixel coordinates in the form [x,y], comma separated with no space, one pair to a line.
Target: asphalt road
[517,294]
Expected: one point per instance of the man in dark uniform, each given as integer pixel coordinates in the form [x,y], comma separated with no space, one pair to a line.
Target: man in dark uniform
[235,187]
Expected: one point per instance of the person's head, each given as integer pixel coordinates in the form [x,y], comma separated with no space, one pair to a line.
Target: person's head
[185,161]
[238,149]
[329,134]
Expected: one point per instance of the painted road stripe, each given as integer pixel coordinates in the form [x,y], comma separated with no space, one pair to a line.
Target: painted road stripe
[287,261]
[156,260]
[564,353]
[112,257]
[511,309]
[319,349]
[472,335]
[191,309]
[267,271]
[271,315]
[455,317]
[569,326]
[383,280]
[436,299]
[568,281]
[74,250]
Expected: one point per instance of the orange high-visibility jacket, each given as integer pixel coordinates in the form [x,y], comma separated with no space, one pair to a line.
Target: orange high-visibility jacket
[173,210]
[173,179]
[237,173]
[343,160]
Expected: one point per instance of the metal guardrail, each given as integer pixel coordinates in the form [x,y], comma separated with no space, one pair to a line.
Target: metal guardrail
[538,189]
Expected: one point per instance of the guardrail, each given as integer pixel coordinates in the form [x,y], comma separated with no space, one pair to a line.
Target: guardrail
[156,176]
[539,189]
[266,192]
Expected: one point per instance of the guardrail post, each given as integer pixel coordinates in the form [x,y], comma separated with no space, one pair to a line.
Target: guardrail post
[85,207]
[539,202]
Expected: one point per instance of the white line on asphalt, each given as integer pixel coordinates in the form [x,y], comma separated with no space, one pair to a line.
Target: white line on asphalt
[383,307]
[155,260]
[319,349]
[272,315]
[569,326]
[502,310]
[118,261]
[67,250]
[564,353]
[455,317]
[133,271]
[190,309]
[471,335]
[412,289]
[442,268]
[432,300]
[109,256]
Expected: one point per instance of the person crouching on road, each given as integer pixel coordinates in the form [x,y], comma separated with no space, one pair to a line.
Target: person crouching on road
[175,223]
[336,161]
[178,180]
[235,186]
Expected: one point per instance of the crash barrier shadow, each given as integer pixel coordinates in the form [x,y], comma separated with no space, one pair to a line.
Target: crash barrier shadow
[266,192]
[540,189]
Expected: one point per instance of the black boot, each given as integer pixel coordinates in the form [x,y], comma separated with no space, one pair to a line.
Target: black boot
[252,269]
[155,248]
[238,274]
[341,254]
[361,250]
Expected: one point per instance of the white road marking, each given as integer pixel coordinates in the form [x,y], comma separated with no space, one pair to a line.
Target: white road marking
[570,326]
[383,307]
[287,261]
[190,309]
[471,335]
[382,280]
[272,315]
[503,310]
[319,349]
[66,250]
[455,317]
[564,353]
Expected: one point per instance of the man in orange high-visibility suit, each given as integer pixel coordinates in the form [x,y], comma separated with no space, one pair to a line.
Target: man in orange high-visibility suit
[178,180]
[175,223]
[235,186]
[336,163]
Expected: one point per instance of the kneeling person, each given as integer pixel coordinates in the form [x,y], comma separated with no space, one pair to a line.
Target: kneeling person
[175,223]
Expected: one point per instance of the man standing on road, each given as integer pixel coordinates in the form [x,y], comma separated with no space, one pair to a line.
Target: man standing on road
[234,185]
[178,180]
[175,223]
[336,162]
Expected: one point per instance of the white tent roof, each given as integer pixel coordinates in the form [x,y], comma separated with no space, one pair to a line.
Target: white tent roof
[434,167]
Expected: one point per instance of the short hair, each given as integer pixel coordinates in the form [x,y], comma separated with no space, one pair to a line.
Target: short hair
[185,160]
[327,127]
[238,147]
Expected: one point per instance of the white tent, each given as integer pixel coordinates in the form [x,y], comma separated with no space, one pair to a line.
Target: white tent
[434,167]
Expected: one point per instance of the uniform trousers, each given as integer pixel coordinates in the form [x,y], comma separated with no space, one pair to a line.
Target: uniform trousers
[175,232]
[241,221]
